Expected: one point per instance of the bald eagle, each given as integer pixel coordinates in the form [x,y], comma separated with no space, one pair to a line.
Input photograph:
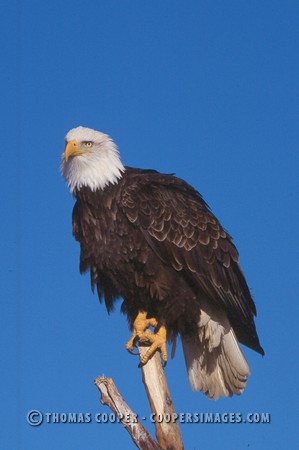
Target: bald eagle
[150,239]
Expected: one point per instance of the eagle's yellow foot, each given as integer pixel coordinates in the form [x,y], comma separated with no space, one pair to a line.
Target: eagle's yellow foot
[143,335]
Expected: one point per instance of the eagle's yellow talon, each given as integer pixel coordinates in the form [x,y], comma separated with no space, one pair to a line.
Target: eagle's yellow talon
[156,340]
[130,345]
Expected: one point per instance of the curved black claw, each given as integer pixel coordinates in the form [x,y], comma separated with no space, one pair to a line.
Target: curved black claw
[164,364]
[132,353]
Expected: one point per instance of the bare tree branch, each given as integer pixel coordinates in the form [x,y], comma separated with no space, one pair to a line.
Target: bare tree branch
[112,398]
[167,428]
[163,412]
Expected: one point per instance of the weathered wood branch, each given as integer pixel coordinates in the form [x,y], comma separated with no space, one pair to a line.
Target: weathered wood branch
[163,412]
[112,398]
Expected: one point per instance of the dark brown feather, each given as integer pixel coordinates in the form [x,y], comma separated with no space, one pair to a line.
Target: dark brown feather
[152,240]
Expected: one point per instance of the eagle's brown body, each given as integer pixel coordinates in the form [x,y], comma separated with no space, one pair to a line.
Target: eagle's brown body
[151,239]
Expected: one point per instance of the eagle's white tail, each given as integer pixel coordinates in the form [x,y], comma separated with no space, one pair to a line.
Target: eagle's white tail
[214,360]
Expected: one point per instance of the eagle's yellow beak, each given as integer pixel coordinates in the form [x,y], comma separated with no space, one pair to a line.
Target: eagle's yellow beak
[72,149]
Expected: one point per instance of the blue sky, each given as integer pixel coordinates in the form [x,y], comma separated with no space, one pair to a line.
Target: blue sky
[206,89]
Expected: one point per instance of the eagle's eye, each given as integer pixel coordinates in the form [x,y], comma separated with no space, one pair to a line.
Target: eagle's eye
[87,144]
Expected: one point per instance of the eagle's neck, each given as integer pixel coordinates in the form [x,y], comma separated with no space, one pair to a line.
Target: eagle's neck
[95,170]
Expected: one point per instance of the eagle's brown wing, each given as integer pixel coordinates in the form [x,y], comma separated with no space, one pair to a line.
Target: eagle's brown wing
[182,231]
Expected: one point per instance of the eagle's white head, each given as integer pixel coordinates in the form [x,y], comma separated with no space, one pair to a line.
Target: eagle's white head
[90,159]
